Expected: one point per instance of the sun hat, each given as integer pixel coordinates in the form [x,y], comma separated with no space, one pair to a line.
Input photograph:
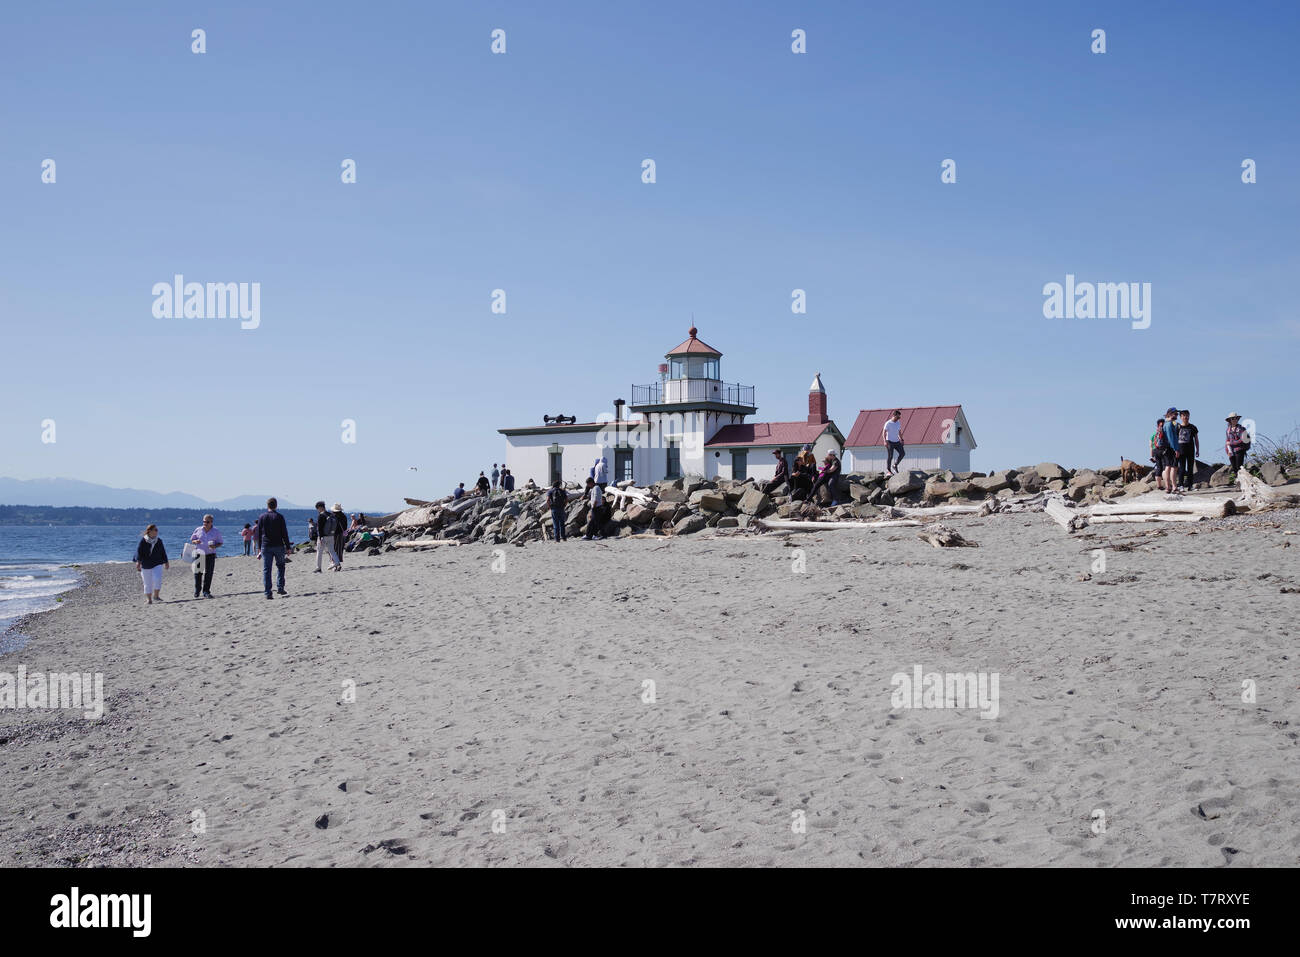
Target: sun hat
[1235,415]
[337,507]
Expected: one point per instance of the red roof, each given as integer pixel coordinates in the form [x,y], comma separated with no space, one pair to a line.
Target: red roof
[694,347]
[768,433]
[923,425]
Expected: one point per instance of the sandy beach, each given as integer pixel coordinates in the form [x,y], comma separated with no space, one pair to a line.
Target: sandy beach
[502,716]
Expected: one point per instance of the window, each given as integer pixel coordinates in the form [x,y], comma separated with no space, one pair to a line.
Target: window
[622,465]
[739,465]
[557,467]
[674,451]
[711,369]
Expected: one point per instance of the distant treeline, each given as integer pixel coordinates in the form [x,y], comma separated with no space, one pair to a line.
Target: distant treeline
[227,520]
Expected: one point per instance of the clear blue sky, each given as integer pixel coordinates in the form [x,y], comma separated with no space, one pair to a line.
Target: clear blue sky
[522,171]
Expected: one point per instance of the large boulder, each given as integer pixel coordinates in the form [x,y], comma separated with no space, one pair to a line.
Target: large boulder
[1050,471]
[690,524]
[709,499]
[1029,481]
[938,491]
[640,514]
[1272,473]
[665,511]
[671,494]
[753,502]
[859,493]
[728,521]
[693,483]
[866,511]
[995,482]
[905,482]
[1222,477]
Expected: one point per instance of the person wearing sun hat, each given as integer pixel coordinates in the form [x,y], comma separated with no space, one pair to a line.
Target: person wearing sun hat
[1237,442]
[340,533]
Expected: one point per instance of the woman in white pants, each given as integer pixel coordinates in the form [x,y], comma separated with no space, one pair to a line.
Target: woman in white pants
[150,560]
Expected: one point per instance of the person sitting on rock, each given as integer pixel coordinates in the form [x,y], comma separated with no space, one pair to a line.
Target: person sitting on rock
[828,478]
[782,473]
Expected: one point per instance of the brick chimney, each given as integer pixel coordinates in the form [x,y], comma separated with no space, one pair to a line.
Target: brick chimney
[817,402]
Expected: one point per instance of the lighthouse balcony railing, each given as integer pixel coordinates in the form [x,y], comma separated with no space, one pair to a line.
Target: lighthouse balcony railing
[671,391]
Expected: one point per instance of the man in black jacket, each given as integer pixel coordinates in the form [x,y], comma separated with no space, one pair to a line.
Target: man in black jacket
[272,537]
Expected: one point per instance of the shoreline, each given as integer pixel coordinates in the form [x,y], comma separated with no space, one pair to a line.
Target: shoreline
[521,691]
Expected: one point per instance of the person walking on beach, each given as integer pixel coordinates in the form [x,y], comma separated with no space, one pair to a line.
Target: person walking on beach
[1189,449]
[482,484]
[326,526]
[1237,443]
[247,535]
[340,532]
[207,537]
[893,433]
[782,473]
[557,499]
[496,476]
[1171,449]
[272,543]
[150,560]
[596,515]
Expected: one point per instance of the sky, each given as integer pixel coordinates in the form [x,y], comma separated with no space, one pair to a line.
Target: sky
[522,171]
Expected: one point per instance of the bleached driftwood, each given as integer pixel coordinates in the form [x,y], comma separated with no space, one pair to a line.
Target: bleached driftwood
[944,536]
[1257,494]
[796,526]
[1207,507]
[639,496]
[941,510]
[1147,517]
[1063,515]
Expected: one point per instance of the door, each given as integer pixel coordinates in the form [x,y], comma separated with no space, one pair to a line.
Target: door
[674,452]
[557,466]
[739,465]
[622,465]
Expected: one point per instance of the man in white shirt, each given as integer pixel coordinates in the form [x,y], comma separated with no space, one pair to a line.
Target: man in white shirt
[893,433]
[596,510]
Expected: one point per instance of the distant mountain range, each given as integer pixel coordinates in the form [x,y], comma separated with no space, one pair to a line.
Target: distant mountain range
[66,492]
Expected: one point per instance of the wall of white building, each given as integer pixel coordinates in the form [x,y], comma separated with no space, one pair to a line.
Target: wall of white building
[760,464]
[528,456]
[924,457]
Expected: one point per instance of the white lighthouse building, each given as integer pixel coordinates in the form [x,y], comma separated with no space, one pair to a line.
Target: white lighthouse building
[688,422]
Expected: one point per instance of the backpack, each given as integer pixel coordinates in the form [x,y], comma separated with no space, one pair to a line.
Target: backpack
[557,498]
[328,526]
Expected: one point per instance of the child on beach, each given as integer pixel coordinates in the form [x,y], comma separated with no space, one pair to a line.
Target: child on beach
[150,560]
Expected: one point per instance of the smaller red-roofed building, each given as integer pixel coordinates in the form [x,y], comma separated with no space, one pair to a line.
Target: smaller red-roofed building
[934,437]
[746,449]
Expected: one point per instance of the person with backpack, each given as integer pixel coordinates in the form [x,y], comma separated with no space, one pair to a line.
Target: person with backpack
[1189,448]
[557,499]
[596,511]
[150,560]
[272,544]
[326,526]
[1237,442]
[1159,448]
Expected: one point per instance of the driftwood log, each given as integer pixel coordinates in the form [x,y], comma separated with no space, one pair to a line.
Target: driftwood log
[1257,494]
[945,536]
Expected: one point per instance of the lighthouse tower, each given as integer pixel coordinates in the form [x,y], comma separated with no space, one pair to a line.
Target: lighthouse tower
[684,409]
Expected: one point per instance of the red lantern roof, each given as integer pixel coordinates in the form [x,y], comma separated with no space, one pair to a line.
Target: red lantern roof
[693,347]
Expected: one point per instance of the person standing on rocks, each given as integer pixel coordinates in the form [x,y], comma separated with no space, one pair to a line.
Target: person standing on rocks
[150,560]
[596,514]
[1159,450]
[1171,449]
[325,529]
[207,537]
[600,472]
[893,433]
[1236,444]
[272,544]
[1189,448]
[496,475]
[557,499]
[507,480]
[482,485]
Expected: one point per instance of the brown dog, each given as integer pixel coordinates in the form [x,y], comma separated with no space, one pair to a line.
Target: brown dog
[1130,471]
